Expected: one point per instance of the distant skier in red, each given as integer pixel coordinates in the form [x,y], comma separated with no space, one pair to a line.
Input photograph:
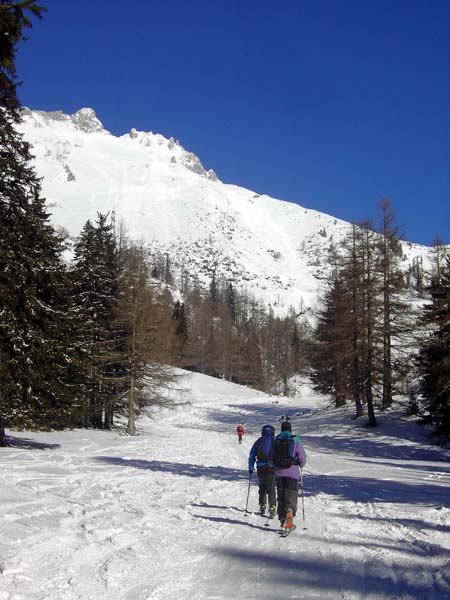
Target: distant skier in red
[240,432]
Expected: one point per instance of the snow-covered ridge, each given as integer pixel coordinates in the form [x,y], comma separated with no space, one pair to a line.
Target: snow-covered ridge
[84,119]
[277,250]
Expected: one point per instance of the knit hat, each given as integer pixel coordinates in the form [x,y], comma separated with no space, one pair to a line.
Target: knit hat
[286,426]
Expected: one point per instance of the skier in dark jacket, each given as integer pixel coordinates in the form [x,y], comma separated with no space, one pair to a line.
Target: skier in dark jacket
[261,451]
[287,477]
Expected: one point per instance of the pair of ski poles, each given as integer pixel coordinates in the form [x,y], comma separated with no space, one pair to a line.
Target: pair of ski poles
[303,496]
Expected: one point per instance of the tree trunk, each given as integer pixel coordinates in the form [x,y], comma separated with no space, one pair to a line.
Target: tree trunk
[359,406]
[340,395]
[370,409]
[109,414]
[131,427]
[3,441]
[369,388]
[387,375]
[387,358]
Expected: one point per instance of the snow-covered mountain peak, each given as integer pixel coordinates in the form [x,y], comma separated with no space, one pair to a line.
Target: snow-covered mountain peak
[171,151]
[277,250]
[84,120]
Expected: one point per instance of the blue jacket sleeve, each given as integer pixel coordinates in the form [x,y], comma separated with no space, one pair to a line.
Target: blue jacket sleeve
[252,455]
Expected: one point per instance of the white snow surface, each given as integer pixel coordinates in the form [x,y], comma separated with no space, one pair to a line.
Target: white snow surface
[277,250]
[98,515]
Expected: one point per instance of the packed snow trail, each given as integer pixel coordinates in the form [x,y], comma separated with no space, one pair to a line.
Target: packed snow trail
[92,515]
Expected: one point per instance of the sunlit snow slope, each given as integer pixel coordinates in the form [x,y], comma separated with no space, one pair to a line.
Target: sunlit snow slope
[95,515]
[276,249]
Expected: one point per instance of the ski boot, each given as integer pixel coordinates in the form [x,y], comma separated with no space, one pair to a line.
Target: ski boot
[289,523]
[262,510]
[287,526]
[272,511]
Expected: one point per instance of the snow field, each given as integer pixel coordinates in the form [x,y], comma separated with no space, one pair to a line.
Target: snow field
[92,515]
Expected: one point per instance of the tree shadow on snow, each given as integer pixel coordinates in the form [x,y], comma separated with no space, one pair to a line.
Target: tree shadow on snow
[416,524]
[440,467]
[335,576]
[408,548]
[367,489]
[253,416]
[29,444]
[189,470]
[372,446]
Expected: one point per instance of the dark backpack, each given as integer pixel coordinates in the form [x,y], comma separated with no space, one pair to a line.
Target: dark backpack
[264,453]
[283,452]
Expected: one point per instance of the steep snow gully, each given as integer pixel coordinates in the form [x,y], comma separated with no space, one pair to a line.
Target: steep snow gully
[92,515]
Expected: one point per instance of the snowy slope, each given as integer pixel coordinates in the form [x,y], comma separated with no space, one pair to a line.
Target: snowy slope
[276,249]
[91,515]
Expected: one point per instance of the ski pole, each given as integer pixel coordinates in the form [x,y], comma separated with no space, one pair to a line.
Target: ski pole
[303,498]
[248,494]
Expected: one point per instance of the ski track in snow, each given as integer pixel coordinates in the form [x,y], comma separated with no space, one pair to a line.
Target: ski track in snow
[91,515]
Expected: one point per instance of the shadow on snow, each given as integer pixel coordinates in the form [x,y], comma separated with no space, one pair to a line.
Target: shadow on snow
[337,575]
[253,416]
[185,469]
[234,522]
[417,524]
[367,489]
[373,446]
[29,444]
[350,488]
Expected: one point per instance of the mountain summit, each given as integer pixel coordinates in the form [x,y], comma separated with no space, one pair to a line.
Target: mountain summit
[275,249]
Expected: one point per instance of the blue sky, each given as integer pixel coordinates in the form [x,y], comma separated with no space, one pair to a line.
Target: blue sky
[332,104]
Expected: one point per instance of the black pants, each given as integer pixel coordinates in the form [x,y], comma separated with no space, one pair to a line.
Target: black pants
[266,480]
[287,492]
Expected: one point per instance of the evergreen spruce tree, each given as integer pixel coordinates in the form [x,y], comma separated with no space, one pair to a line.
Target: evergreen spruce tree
[434,357]
[231,300]
[333,348]
[36,357]
[214,294]
[181,332]
[95,282]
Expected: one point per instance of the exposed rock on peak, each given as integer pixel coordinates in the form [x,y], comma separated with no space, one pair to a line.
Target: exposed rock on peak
[84,119]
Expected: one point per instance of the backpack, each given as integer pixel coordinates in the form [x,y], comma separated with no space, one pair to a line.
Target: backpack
[265,445]
[283,451]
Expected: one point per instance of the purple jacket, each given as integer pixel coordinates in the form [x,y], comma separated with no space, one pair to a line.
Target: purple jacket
[299,454]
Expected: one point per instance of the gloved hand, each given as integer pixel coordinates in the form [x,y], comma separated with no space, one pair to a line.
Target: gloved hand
[250,471]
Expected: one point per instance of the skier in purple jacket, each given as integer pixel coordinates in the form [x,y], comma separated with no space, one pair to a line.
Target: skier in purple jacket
[287,476]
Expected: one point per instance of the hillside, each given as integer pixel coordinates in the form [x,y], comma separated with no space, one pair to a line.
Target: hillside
[275,249]
[99,515]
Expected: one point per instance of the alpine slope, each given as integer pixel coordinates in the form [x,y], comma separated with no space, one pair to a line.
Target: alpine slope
[161,193]
[98,515]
